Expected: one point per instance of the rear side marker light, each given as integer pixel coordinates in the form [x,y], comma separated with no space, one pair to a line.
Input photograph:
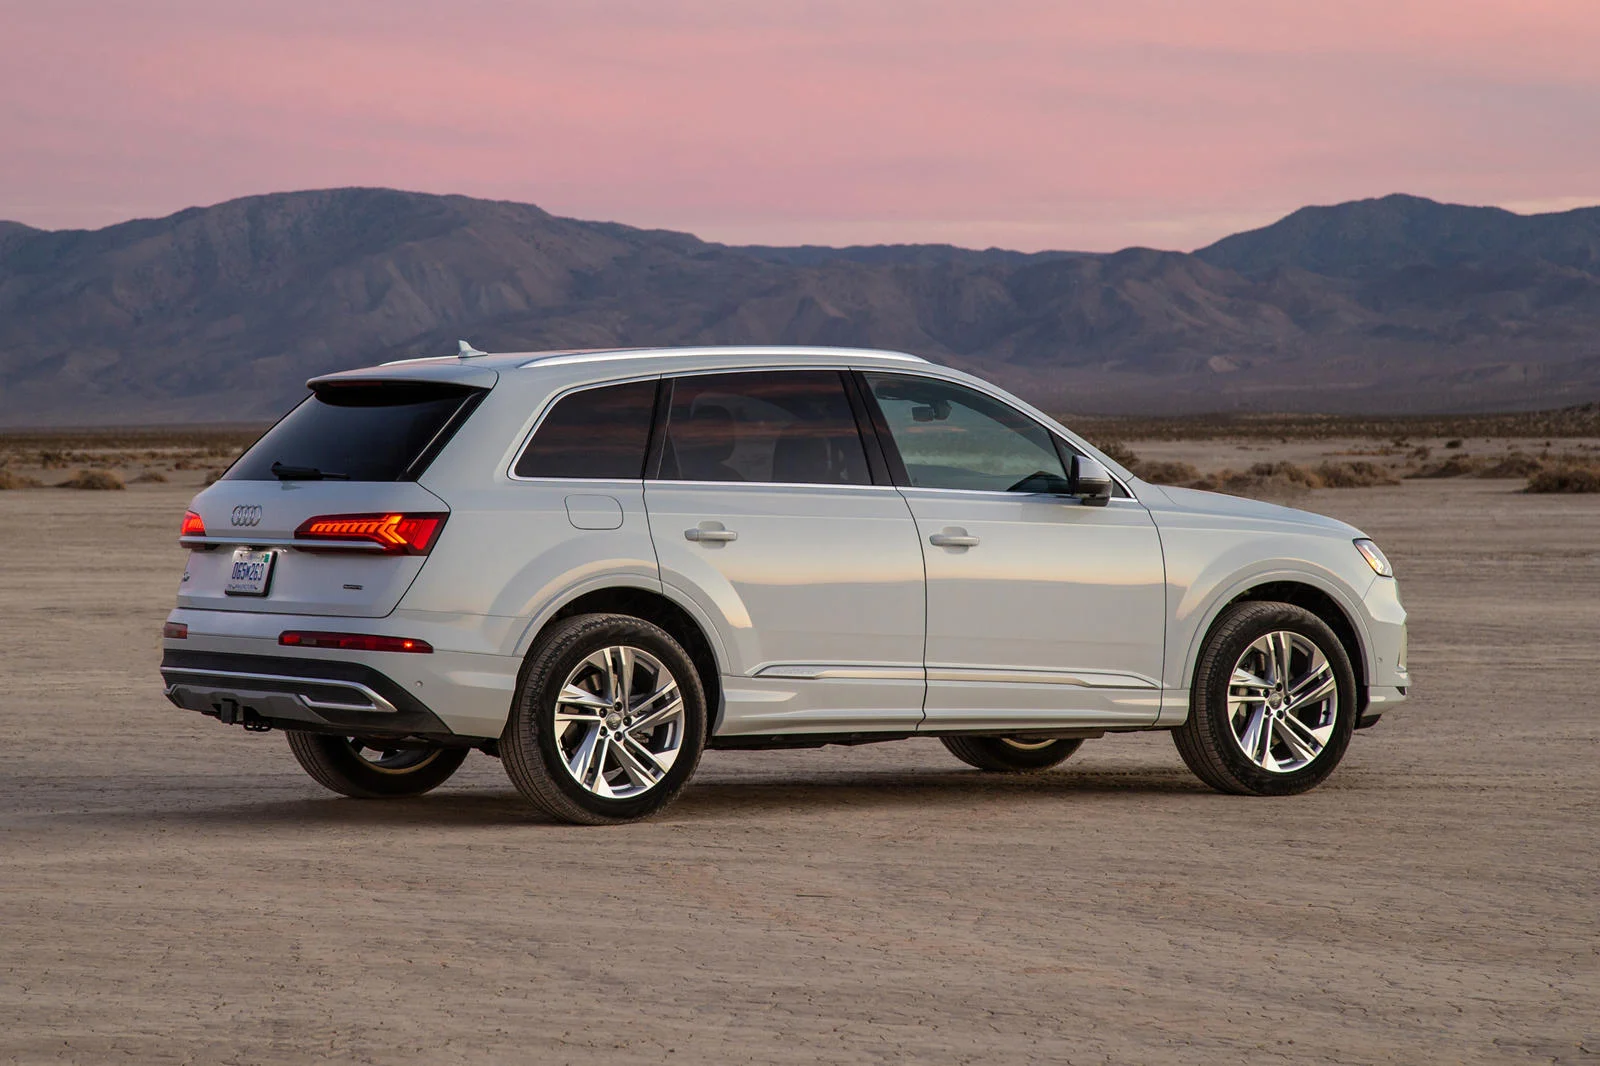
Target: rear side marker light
[192,525]
[175,631]
[296,638]
[396,534]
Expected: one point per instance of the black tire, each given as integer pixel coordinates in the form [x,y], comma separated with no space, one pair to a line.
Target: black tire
[336,763]
[1006,755]
[1207,740]
[531,749]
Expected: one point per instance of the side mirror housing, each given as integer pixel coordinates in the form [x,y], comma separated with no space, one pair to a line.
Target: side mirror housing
[1091,481]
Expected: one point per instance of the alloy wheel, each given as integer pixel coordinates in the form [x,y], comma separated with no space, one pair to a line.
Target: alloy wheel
[619,722]
[1283,699]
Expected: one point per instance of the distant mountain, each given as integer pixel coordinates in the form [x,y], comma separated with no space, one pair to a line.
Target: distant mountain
[220,313]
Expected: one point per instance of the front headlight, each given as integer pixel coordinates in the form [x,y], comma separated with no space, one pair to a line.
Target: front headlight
[1374,557]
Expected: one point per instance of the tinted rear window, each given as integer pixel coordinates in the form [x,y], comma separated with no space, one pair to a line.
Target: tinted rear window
[382,431]
[596,433]
[772,426]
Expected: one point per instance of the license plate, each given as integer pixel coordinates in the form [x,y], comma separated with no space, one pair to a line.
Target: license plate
[251,573]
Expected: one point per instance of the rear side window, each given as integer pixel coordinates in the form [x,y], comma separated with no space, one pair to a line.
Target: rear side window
[372,431]
[779,426]
[596,433]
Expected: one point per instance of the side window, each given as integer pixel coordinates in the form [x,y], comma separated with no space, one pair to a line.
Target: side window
[596,433]
[786,426]
[953,437]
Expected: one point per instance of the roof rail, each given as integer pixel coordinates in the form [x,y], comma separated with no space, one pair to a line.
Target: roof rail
[562,358]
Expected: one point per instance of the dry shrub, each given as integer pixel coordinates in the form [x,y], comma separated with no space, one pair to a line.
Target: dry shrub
[187,464]
[1566,478]
[1456,443]
[9,480]
[1262,479]
[92,479]
[1455,466]
[212,476]
[1516,464]
[150,477]
[1354,475]
[1115,449]
[1168,473]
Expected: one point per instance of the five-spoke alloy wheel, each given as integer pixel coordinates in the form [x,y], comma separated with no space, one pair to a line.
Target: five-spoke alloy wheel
[1273,703]
[609,722]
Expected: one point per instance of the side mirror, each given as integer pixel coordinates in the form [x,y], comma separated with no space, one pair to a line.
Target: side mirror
[1091,481]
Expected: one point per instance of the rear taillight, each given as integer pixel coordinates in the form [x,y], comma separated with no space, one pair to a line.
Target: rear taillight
[192,525]
[396,534]
[175,631]
[296,638]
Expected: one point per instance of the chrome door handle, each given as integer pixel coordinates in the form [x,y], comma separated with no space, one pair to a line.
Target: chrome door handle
[710,536]
[953,538]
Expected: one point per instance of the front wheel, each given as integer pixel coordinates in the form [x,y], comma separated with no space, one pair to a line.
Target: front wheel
[369,768]
[1011,755]
[1273,703]
[609,722]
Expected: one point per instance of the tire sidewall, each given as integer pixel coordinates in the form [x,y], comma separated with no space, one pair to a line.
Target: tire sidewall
[536,712]
[1216,669]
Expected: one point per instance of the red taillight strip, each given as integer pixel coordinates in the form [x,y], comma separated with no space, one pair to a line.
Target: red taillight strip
[298,638]
[397,534]
[193,525]
[175,631]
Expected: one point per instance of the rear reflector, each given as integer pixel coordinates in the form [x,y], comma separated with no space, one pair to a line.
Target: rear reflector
[192,525]
[296,638]
[396,534]
[175,631]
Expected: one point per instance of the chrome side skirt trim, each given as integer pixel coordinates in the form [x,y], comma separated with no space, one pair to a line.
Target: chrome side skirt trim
[1079,678]
[817,672]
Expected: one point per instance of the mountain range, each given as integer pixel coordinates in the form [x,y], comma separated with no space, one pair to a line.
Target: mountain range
[1398,304]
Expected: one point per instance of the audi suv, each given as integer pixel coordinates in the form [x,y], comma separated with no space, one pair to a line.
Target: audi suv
[593,565]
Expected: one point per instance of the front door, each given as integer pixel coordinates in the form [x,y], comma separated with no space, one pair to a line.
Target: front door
[764,513]
[1042,611]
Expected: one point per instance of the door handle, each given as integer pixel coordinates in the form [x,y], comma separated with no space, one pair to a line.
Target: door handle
[953,537]
[710,536]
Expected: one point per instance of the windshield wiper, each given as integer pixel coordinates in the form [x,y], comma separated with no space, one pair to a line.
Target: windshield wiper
[305,473]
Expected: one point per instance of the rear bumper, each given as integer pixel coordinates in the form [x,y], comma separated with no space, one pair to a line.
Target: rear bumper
[321,695]
[463,688]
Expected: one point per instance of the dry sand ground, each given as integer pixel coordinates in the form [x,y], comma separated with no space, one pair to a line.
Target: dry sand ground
[172,890]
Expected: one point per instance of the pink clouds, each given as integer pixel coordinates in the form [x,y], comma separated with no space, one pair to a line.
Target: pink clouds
[1164,122]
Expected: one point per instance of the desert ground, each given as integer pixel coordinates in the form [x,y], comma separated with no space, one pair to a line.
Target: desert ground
[177,891]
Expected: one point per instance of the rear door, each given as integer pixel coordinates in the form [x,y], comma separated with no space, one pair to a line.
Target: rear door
[323,514]
[765,513]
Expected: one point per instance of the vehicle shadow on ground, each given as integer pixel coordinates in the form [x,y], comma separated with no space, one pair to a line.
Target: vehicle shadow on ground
[725,796]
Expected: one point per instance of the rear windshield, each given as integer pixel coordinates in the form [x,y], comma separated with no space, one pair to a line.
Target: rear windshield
[374,431]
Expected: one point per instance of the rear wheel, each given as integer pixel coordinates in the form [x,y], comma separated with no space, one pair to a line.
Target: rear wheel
[368,768]
[1273,703]
[609,723]
[1011,755]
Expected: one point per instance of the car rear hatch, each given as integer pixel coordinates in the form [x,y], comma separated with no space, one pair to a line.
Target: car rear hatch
[323,515]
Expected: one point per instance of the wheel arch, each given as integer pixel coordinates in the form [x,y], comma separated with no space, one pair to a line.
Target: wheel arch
[1309,597]
[660,610]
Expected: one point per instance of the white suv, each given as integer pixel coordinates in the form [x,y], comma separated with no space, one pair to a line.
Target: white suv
[596,564]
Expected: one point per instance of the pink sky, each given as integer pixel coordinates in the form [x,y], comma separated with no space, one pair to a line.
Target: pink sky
[992,122]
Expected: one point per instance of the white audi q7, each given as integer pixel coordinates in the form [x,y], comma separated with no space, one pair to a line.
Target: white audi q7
[594,565]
